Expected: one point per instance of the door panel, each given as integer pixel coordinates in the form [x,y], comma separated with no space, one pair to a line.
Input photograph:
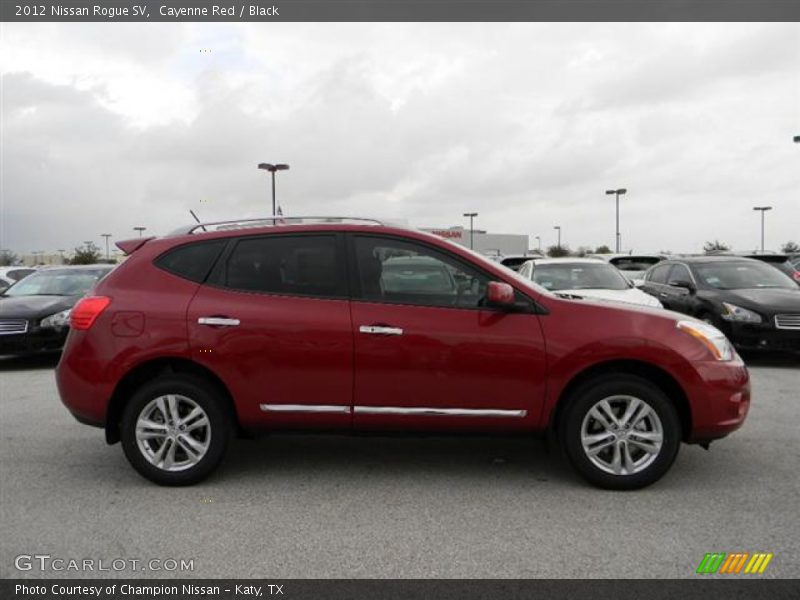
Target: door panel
[275,325]
[285,351]
[428,355]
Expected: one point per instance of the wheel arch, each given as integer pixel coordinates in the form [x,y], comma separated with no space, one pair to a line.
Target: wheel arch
[151,369]
[661,378]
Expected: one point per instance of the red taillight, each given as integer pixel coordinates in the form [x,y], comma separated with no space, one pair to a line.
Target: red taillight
[87,310]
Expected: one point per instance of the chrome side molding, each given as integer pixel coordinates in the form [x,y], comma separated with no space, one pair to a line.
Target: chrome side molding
[439,412]
[393,410]
[306,408]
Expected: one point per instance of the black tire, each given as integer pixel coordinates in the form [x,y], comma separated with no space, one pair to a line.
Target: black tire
[216,437]
[581,403]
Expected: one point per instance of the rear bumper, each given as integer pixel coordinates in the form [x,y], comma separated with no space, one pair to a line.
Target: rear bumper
[721,401]
[82,386]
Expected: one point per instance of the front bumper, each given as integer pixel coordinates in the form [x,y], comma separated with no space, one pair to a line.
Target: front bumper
[34,341]
[761,336]
[721,401]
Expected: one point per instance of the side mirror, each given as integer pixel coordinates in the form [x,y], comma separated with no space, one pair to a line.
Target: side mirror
[686,285]
[500,294]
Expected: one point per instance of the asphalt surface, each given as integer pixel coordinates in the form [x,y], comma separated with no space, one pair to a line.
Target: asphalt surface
[331,506]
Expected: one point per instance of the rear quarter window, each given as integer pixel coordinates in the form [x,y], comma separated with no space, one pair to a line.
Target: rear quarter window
[191,261]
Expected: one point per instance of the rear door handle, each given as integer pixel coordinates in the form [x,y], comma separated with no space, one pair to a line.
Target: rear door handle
[218,321]
[380,330]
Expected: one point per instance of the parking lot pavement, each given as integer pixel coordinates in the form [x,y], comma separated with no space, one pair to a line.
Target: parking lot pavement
[329,506]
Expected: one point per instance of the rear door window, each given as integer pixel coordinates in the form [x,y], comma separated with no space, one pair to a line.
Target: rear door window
[292,265]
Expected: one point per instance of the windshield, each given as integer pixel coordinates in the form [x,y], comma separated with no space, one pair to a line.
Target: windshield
[742,276]
[57,282]
[578,276]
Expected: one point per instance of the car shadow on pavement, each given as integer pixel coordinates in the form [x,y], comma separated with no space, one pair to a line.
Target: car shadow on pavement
[27,363]
[772,359]
[312,456]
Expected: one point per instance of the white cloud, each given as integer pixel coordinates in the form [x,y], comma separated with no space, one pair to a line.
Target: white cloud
[110,126]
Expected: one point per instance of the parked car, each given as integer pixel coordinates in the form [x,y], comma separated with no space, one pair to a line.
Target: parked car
[755,305]
[632,266]
[10,275]
[204,334]
[34,312]
[585,278]
[781,262]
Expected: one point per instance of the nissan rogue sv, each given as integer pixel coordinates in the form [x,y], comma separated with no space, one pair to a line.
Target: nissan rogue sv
[354,325]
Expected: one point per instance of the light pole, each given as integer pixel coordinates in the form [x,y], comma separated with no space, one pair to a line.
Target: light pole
[106,235]
[471,216]
[539,241]
[272,168]
[763,209]
[140,230]
[618,192]
[558,227]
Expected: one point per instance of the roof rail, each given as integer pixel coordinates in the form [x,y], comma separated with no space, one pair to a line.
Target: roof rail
[276,221]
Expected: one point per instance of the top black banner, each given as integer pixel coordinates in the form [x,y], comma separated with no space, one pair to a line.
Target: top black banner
[400,10]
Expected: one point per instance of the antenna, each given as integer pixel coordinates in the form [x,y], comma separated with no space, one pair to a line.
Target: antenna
[198,220]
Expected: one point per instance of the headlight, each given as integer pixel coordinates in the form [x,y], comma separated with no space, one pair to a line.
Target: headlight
[737,313]
[56,321]
[711,337]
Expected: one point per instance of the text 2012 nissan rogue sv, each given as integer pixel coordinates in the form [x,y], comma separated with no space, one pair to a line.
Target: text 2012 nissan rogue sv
[351,325]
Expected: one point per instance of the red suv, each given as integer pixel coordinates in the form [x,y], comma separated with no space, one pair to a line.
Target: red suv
[352,325]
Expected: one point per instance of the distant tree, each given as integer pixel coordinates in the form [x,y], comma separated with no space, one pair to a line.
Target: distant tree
[790,248]
[85,255]
[558,251]
[603,250]
[583,251]
[8,258]
[715,246]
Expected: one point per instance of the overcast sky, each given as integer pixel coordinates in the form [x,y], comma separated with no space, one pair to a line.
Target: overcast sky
[110,126]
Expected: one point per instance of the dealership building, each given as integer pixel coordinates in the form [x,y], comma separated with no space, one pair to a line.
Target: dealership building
[484,242]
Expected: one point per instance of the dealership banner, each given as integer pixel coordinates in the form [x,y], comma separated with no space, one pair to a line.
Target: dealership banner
[365,589]
[400,10]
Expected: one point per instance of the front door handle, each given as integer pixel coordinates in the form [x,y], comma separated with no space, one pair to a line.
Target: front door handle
[218,321]
[380,330]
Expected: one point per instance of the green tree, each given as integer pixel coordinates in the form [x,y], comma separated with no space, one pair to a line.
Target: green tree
[558,251]
[791,248]
[603,250]
[8,258]
[85,255]
[715,246]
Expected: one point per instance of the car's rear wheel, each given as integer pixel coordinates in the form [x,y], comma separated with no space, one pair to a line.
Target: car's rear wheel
[174,430]
[621,432]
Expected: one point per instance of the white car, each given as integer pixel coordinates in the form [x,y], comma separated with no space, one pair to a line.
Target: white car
[11,275]
[589,278]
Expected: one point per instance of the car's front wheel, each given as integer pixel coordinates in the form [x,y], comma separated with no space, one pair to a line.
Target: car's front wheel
[174,430]
[621,432]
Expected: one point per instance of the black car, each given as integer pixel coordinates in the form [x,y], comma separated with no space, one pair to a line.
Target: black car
[34,312]
[754,304]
